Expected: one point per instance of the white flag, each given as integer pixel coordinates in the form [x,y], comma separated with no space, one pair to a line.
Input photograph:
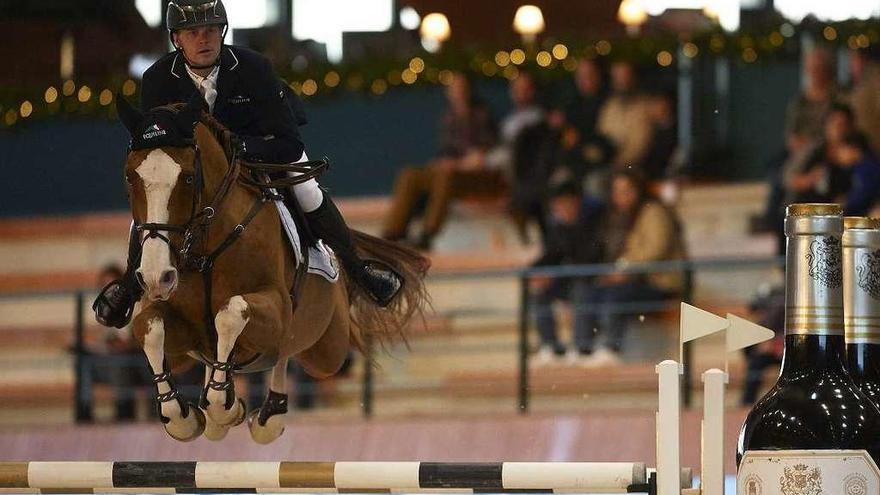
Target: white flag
[743,333]
[697,323]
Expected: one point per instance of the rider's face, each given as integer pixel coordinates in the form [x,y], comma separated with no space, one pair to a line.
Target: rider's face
[200,45]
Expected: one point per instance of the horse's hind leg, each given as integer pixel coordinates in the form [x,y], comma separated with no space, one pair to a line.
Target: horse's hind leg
[219,400]
[267,422]
[182,421]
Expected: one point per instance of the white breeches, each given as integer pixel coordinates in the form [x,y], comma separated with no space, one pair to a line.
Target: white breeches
[308,193]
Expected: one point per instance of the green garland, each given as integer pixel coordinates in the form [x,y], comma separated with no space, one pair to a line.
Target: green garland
[553,59]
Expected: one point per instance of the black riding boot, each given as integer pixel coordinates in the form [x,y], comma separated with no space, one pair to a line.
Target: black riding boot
[378,280]
[114,305]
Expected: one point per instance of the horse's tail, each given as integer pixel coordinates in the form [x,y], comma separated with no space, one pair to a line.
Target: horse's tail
[383,325]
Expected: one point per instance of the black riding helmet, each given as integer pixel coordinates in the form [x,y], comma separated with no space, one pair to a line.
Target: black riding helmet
[183,14]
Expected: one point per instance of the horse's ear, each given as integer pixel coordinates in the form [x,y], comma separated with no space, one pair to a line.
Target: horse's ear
[191,113]
[131,117]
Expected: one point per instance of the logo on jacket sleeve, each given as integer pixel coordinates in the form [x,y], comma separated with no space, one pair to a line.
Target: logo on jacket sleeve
[153,131]
[238,100]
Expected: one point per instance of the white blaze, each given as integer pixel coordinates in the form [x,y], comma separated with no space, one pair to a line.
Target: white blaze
[159,174]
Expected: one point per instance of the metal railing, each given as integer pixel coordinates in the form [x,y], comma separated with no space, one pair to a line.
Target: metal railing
[83,360]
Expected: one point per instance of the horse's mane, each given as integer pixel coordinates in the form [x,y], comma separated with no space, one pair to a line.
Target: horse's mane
[218,130]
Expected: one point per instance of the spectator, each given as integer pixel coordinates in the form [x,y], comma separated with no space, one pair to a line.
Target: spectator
[664,137]
[807,113]
[526,113]
[854,154]
[584,151]
[623,118]
[864,96]
[467,133]
[572,239]
[635,229]
[805,120]
[814,176]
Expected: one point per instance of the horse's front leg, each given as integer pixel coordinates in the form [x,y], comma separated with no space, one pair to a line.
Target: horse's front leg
[182,421]
[267,422]
[219,400]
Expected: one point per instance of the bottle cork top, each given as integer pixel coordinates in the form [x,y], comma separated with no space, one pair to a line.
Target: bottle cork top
[813,209]
[860,223]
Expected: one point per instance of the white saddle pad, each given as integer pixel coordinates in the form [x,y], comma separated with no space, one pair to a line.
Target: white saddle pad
[322,261]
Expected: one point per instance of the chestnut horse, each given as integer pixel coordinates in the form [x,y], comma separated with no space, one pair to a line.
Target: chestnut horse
[218,275]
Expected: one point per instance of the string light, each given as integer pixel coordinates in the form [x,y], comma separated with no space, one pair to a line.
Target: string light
[511,72]
[690,50]
[517,56]
[105,98]
[309,87]
[11,117]
[664,58]
[129,87]
[331,79]
[570,64]
[544,59]
[829,33]
[776,39]
[417,65]
[502,58]
[446,77]
[409,76]
[603,47]
[26,109]
[51,94]
[560,51]
[394,77]
[863,41]
[84,94]
[379,87]
[749,55]
[489,69]
[68,88]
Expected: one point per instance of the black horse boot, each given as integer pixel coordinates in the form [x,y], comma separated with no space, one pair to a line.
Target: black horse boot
[114,305]
[378,280]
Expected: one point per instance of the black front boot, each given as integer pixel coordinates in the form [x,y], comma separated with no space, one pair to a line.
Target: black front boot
[378,280]
[114,305]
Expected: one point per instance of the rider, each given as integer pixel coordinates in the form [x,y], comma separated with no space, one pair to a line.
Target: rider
[244,94]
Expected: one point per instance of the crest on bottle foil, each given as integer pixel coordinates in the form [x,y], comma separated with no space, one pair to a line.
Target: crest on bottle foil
[855,484]
[801,480]
[868,273]
[824,260]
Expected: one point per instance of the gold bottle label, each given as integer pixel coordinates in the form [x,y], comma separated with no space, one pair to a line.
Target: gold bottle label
[807,472]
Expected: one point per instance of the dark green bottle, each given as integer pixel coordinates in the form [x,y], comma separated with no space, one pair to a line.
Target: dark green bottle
[814,405]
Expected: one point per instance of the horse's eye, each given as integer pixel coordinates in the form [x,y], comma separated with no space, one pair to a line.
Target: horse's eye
[189,179]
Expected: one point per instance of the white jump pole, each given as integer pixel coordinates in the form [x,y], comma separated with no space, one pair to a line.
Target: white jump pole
[668,425]
[712,461]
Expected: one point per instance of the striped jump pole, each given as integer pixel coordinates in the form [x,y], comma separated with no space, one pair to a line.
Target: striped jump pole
[332,477]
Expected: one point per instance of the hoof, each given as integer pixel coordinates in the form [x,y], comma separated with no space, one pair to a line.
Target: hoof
[189,428]
[215,432]
[228,417]
[265,434]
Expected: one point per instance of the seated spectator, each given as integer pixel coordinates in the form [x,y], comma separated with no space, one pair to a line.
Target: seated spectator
[659,157]
[572,239]
[634,229]
[854,154]
[814,176]
[624,119]
[526,113]
[585,153]
[805,121]
[467,133]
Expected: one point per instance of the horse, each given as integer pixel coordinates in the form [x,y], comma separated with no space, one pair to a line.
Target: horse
[219,276]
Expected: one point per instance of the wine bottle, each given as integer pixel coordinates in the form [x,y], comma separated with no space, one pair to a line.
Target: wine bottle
[814,405]
[861,303]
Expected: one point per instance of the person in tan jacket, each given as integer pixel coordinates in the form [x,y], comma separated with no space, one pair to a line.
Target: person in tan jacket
[636,229]
[624,118]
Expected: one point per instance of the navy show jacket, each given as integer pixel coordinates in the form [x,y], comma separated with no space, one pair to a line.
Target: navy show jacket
[252,101]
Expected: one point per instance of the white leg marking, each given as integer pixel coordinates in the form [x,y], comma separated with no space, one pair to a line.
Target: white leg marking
[154,347]
[230,322]
[278,382]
